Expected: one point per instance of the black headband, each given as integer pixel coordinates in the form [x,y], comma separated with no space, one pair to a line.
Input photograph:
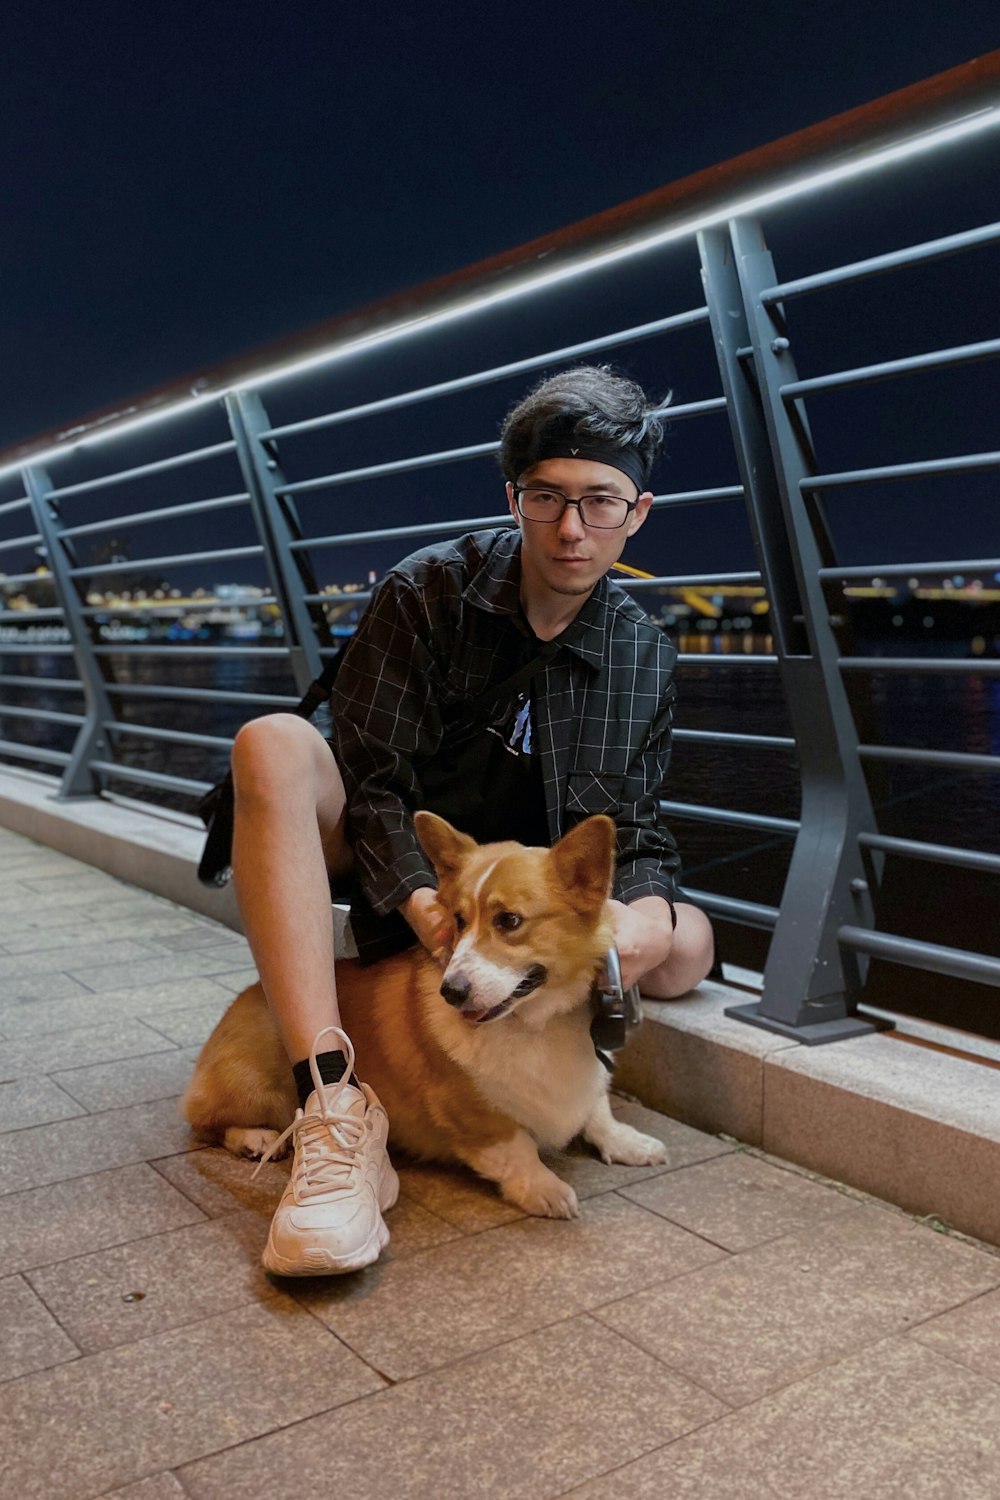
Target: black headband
[628,460]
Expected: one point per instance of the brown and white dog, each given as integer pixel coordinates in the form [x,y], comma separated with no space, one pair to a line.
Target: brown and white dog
[480,1065]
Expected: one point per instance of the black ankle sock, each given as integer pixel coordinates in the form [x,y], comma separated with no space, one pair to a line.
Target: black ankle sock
[331,1066]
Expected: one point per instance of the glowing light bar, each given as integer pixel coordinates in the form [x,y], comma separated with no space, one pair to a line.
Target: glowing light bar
[534,281]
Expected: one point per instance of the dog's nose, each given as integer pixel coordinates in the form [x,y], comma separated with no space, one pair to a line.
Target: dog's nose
[456,990]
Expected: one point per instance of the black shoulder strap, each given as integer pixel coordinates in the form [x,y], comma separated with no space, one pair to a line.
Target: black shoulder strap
[476,711]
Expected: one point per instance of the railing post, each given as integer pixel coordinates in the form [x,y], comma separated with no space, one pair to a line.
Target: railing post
[811,985]
[277,525]
[92,741]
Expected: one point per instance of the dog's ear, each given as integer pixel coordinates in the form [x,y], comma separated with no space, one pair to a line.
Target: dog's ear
[584,860]
[444,846]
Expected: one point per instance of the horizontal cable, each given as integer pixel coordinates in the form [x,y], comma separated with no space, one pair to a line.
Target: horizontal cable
[924,469]
[751,741]
[160,466]
[691,580]
[9,543]
[66,684]
[223,555]
[180,736]
[34,752]
[32,648]
[152,778]
[456,455]
[700,814]
[23,616]
[914,363]
[957,963]
[361,597]
[723,659]
[199,695]
[138,518]
[33,577]
[968,239]
[905,570]
[962,859]
[188,607]
[400,533]
[498,372]
[208,653]
[958,759]
[751,913]
[53,715]
[948,665]
[9,505]
[698,497]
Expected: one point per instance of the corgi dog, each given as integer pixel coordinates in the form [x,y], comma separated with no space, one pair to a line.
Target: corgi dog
[482,1063]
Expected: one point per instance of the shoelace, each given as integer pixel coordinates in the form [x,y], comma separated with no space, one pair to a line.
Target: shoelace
[325,1143]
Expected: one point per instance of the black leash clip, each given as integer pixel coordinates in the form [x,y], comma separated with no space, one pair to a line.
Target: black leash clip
[617,1011]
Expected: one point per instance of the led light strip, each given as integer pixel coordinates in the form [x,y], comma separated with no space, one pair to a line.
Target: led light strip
[531,282]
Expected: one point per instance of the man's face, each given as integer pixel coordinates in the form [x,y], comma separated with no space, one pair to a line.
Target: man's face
[567,557]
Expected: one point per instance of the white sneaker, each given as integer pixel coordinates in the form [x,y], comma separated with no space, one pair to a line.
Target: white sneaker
[329,1219]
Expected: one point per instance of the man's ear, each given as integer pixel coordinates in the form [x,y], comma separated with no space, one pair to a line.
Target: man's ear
[584,861]
[640,513]
[444,846]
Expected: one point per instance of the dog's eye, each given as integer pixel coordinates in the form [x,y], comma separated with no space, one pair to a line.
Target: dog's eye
[507,921]
[460,923]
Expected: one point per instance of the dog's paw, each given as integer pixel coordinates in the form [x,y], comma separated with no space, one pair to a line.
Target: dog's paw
[631,1148]
[547,1197]
[252,1143]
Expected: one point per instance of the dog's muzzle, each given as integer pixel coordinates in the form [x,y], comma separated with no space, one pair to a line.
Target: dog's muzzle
[458,991]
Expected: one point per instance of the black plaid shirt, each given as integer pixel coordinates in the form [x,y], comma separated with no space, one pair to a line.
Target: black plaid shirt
[442,627]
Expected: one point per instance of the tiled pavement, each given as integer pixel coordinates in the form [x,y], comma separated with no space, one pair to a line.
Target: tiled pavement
[720,1327]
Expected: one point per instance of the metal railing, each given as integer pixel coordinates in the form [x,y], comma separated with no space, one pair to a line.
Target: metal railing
[232,443]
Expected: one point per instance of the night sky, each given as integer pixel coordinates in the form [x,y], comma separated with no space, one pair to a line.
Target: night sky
[185,181]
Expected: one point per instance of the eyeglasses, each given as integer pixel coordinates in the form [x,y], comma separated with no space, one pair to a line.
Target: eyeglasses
[600,512]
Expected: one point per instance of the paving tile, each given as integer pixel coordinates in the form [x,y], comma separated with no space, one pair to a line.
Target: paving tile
[52,1223]
[81,957]
[160,1075]
[525,1422]
[202,935]
[78,1046]
[30,1338]
[166,1400]
[191,1027]
[148,925]
[235,980]
[169,968]
[409,1316]
[970,1335]
[220,1183]
[19,998]
[891,1423]
[53,1153]
[159,1487]
[456,1195]
[174,1278]
[71,1004]
[34,1101]
[738,1201]
[772,1315]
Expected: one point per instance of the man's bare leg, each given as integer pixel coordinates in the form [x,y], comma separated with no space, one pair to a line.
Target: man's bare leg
[289,832]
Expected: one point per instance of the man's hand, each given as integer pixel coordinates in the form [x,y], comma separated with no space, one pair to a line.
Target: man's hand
[430,922]
[644,935]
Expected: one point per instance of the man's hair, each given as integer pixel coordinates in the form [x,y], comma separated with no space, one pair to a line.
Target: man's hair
[590,402]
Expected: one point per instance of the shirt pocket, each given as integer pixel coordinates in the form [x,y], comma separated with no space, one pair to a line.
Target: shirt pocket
[590,792]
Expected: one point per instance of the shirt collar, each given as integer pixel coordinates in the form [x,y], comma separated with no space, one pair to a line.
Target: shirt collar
[496,588]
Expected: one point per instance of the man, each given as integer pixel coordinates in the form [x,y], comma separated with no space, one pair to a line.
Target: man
[505,682]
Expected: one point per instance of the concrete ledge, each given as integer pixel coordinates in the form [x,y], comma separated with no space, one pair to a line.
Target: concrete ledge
[915,1126]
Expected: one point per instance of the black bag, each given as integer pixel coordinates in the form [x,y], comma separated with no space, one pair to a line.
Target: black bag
[216,809]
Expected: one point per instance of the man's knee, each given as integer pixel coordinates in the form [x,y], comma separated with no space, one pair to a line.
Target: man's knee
[279,752]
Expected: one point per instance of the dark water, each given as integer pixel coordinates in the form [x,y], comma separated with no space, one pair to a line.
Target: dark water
[917,899]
